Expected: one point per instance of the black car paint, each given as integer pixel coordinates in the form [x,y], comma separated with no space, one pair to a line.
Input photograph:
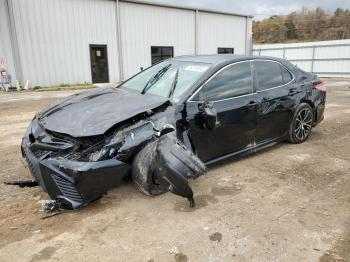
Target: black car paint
[244,124]
[236,124]
[255,121]
[92,113]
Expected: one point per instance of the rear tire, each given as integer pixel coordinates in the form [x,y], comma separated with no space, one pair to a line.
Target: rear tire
[301,124]
[142,174]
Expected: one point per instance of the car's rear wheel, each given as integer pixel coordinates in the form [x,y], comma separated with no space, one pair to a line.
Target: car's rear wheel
[301,124]
[142,174]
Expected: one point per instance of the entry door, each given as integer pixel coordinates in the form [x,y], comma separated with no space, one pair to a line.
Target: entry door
[99,63]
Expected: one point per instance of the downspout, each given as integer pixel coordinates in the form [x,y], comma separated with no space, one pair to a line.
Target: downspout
[196,32]
[119,42]
[247,38]
[14,41]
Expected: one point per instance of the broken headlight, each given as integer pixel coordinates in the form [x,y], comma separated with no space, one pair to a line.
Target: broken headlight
[110,150]
[124,145]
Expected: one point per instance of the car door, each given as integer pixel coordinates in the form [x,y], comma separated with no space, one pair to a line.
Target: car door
[275,88]
[230,93]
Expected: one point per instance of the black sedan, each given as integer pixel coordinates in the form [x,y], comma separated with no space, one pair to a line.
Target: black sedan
[167,123]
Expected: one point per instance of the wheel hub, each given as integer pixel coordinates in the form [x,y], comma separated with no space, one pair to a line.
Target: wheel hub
[303,123]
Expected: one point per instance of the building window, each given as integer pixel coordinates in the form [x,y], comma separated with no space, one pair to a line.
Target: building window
[225,50]
[160,53]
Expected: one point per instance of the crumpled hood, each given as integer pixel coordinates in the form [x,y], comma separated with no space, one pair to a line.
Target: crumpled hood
[93,112]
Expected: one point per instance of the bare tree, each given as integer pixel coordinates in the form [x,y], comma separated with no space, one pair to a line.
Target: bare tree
[303,25]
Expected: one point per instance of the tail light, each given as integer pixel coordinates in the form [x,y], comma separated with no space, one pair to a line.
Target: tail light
[320,86]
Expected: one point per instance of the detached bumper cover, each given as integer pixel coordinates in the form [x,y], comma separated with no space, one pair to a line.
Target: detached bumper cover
[74,183]
[174,164]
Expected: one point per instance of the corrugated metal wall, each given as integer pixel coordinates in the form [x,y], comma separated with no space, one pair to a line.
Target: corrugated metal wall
[6,52]
[325,58]
[143,26]
[54,38]
[217,30]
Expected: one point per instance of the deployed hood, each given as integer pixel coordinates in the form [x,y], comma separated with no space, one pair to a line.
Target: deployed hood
[93,112]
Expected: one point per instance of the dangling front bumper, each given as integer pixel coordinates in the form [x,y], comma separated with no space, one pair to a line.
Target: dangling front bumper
[74,183]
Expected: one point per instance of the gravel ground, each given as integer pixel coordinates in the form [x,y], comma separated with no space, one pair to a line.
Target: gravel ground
[287,203]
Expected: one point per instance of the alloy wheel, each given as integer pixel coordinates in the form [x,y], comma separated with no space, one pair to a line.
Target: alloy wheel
[303,124]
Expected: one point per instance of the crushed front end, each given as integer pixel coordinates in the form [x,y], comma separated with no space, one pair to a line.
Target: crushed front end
[77,171]
[64,170]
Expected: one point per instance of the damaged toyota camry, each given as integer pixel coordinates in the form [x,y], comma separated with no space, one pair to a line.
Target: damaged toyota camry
[166,124]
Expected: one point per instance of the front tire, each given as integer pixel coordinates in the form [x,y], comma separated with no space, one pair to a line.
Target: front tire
[301,124]
[142,174]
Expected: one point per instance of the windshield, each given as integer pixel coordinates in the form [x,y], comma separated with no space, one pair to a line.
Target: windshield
[168,79]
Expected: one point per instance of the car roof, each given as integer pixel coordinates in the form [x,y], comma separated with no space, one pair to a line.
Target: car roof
[221,58]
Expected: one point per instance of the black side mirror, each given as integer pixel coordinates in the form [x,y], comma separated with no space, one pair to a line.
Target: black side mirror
[209,115]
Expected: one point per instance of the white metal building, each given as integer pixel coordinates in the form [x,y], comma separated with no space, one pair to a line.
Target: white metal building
[325,58]
[50,42]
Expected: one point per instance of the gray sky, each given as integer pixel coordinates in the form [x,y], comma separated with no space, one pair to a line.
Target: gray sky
[261,8]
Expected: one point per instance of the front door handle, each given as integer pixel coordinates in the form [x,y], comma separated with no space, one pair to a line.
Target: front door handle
[293,91]
[252,103]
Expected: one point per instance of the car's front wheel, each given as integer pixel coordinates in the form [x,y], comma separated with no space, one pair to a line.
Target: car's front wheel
[142,174]
[301,124]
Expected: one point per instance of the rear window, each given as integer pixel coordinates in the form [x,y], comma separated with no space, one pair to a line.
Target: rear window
[271,74]
[287,77]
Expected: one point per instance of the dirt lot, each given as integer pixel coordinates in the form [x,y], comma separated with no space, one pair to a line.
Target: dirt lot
[288,203]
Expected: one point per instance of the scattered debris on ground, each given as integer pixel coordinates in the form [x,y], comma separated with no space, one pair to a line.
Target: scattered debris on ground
[23,183]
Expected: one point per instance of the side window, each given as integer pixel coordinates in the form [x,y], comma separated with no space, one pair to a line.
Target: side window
[234,80]
[268,74]
[287,77]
